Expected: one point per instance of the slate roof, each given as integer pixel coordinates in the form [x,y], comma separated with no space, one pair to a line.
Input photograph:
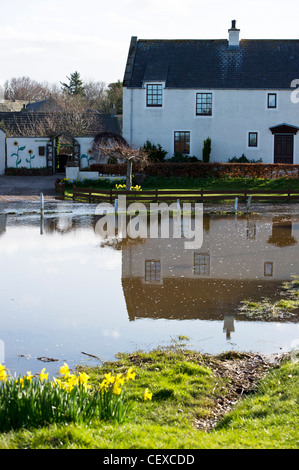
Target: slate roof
[46,105]
[24,123]
[255,64]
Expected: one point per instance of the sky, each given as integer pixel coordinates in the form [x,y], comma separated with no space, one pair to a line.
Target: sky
[48,40]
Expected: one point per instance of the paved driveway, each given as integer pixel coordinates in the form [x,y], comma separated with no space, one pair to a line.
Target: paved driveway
[27,186]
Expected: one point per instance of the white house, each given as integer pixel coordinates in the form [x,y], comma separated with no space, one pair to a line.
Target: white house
[2,152]
[28,142]
[239,93]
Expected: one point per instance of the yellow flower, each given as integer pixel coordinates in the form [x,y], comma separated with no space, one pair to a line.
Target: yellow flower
[56,382]
[116,389]
[29,376]
[130,374]
[3,373]
[119,379]
[64,370]
[43,376]
[103,384]
[147,394]
[21,382]
[110,379]
[83,378]
[72,381]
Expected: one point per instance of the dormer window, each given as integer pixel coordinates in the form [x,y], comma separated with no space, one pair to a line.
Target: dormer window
[154,95]
[272,100]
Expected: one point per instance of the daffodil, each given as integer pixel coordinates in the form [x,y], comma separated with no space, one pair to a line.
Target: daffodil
[29,376]
[116,389]
[110,379]
[3,373]
[43,375]
[83,378]
[21,381]
[147,394]
[120,379]
[130,374]
[64,370]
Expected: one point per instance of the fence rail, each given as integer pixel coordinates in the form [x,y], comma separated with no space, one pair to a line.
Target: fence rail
[94,195]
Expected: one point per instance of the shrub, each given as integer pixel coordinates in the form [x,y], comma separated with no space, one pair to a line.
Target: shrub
[206,151]
[205,170]
[180,157]
[243,159]
[154,152]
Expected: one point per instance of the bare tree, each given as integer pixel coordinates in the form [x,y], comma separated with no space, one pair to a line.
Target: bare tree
[123,153]
[24,88]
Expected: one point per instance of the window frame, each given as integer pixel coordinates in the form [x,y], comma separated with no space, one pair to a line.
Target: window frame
[152,271]
[183,143]
[41,151]
[204,263]
[256,139]
[205,103]
[157,95]
[267,265]
[268,100]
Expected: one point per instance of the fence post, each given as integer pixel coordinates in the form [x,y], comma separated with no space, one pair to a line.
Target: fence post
[236,204]
[89,192]
[248,202]
[111,200]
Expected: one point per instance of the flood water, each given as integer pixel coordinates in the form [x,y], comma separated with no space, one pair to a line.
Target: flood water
[67,294]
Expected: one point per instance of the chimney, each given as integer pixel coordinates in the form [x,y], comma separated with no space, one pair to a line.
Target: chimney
[233,36]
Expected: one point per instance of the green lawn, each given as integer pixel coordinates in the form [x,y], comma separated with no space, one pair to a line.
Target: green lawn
[185,386]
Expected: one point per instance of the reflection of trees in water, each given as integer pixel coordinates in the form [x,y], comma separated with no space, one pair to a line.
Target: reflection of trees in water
[282,232]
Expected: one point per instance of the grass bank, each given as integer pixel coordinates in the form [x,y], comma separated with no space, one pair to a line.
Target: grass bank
[232,400]
[185,183]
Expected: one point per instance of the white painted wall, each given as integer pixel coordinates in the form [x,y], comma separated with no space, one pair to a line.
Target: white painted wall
[235,113]
[2,152]
[85,148]
[25,147]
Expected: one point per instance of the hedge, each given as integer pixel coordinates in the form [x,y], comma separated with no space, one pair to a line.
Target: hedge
[204,170]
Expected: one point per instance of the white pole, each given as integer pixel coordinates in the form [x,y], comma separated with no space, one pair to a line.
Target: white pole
[41,213]
[115,206]
[236,205]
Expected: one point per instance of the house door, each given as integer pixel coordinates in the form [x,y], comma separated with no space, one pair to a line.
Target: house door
[283,148]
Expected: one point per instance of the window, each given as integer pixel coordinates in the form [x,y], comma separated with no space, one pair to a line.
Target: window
[202,263]
[252,139]
[272,101]
[154,95]
[268,269]
[152,271]
[204,104]
[182,142]
[41,151]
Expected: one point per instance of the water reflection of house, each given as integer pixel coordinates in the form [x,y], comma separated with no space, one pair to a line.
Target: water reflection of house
[237,261]
[2,224]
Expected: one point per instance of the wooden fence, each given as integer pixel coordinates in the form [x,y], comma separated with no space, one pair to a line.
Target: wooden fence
[96,195]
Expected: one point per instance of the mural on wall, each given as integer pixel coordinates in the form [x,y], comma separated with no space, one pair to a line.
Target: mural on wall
[16,154]
[31,157]
[88,156]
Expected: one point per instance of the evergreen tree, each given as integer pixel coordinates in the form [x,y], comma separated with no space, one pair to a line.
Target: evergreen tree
[75,85]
